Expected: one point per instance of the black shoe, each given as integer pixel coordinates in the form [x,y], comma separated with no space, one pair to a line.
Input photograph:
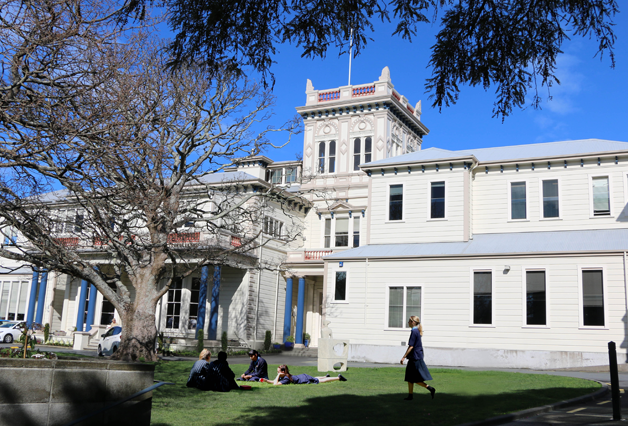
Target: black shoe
[408,398]
[432,391]
[342,378]
[328,375]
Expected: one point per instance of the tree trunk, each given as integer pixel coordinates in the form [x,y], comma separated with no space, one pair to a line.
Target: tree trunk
[139,333]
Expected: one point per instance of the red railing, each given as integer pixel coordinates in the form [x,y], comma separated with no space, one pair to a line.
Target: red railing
[396,95]
[329,96]
[188,237]
[363,91]
[410,108]
[67,242]
[316,255]
[236,241]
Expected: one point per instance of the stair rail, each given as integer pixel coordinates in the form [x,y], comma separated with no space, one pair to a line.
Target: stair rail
[122,401]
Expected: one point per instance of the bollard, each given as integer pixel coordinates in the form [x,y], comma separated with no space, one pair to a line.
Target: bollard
[612,363]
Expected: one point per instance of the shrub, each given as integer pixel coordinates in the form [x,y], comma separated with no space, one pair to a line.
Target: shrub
[306,336]
[200,341]
[290,339]
[46,332]
[224,342]
[267,340]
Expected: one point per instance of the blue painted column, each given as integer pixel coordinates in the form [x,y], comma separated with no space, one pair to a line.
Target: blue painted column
[202,300]
[287,316]
[80,315]
[213,314]
[41,299]
[91,307]
[300,307]
[31,300]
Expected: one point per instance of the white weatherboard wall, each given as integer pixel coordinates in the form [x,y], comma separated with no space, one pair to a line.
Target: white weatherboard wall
[450,337]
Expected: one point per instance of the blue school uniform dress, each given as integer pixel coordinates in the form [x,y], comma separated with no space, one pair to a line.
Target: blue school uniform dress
[416,370]
[299,379]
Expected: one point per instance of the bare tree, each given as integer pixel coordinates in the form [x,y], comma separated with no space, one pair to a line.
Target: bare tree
[108,160]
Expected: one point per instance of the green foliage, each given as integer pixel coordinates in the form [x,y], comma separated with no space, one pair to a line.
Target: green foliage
[371,396]
[306,336]
[46,332]
[267,340]
[290,339]
[200,340]
[224,342]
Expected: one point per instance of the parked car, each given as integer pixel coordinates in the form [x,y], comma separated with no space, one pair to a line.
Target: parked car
[10,331]
[110,341]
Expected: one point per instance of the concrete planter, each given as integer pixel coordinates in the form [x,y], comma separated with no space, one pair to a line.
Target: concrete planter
[56,392]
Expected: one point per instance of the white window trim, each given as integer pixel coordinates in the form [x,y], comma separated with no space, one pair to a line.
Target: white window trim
[581,325]
[560,200]
[610,196]
[429,200]
[405,312]
[509,190]
[349,229]
[471,288]
[331,235]
[403,206]
[524,295]
[333,288]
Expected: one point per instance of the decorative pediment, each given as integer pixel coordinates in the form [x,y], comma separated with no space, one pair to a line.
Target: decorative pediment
[341,206]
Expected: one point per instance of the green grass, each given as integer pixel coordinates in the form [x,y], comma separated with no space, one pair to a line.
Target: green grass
[370,396]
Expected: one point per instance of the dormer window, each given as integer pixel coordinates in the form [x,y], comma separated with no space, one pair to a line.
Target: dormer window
[291,174]
[275,176]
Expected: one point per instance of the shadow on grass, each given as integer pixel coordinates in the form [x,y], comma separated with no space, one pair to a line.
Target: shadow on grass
[445,409]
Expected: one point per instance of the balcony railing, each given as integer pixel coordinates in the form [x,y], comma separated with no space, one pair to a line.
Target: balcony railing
[184,238]
[329,96]
[316,254]
[68,242]
[363,91]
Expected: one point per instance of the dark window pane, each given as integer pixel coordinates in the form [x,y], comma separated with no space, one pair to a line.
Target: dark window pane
[518,200]
[438,200]
[535,298]
[341,286]
[396,202]
[550,198]
[395,307]
[482,298]
[342,232]
[592,298]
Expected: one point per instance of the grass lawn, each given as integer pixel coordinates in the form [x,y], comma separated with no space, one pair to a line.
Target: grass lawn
[370,396]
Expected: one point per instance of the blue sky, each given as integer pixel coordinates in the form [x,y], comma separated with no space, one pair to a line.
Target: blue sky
[590,102]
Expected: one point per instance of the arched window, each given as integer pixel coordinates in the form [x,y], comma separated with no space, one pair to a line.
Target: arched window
[367,150]
[321,157]
[332,157]
[356,153]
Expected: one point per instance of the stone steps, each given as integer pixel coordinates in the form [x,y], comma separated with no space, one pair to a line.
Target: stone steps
[310,352]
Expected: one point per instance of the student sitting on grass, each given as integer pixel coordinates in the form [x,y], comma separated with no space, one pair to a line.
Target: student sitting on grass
[285,378]
[196,379]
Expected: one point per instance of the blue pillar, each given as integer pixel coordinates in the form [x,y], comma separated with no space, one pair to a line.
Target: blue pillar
[300,307]
[202,300]
[31,300]
[80,315]
[213,314]
[91,307]
[41,299]
[287,316]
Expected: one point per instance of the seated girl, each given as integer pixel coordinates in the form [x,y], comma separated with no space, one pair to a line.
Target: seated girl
[285,378]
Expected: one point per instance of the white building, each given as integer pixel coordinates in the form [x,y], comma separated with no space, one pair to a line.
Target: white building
[512,256]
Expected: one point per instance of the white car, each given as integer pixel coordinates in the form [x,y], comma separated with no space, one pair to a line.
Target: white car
[10,331]
[110,341]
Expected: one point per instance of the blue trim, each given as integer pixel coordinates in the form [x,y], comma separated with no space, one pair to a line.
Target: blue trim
[202,300]
[80,314]
[91,307]
[212,333]
[287,316]
[298,338]
[31,300]
[41,299]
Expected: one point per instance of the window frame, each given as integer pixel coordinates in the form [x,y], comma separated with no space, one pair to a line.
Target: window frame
[581,325]
[524,295]
[403,204]
[404,326]
[333,298]
[509,190]
[560,201]
[429,200]
[592,214]
[471,298]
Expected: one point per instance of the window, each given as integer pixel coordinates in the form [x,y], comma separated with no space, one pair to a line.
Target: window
[291,174]
[437,206]
[482,297]
[550,198]
[340,292]
[342,232]
[273,227]
[13,300]
[327,233]
[356,153]
[367,150]
[195,291]
[332,157]
[395,211]
[601,197]
[536,303]
[592,298]
[403,302]
[10,236]
[108,311]
[321,157]
[518,206]
[173,308]
[275,176]
[356,232]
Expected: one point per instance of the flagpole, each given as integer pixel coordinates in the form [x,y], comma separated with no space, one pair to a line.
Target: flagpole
[350,53]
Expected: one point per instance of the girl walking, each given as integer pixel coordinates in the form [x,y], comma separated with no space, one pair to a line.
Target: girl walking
[416,370]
